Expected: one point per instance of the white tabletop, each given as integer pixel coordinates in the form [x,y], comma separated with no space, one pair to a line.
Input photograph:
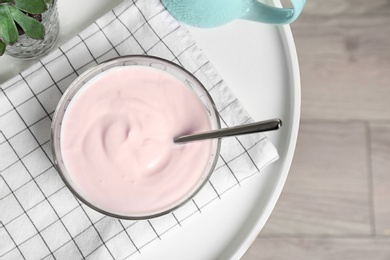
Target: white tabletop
[260,65]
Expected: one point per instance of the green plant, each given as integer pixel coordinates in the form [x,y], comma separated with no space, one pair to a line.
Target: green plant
[18,17]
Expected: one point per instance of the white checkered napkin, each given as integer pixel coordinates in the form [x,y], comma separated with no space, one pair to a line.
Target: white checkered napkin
[39,217]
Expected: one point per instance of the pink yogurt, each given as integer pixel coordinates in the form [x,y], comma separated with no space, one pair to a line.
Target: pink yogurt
[117,141]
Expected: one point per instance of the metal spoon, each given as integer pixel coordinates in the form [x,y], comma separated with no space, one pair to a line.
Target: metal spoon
[256,127]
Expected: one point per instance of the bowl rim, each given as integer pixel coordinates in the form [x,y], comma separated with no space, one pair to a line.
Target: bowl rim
[53,139]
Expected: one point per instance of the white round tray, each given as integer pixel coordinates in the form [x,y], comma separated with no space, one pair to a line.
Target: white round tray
[260,65]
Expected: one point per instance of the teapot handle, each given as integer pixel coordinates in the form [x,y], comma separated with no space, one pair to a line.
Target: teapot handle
[268,14]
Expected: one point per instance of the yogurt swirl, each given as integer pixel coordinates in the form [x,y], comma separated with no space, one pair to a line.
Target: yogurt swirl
[117,140]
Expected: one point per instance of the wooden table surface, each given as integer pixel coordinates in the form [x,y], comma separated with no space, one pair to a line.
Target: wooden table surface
[336,202]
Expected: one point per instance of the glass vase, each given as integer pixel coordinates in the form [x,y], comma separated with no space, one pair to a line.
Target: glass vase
[28,48]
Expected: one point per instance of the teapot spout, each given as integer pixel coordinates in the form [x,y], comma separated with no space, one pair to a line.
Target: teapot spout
[263,13]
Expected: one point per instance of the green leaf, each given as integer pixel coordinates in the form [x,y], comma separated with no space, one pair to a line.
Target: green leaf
[31,6]
[2,48]
[8,32]
[7,1]
[30,26]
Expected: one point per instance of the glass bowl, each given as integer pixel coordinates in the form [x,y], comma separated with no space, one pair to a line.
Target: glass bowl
[133,60]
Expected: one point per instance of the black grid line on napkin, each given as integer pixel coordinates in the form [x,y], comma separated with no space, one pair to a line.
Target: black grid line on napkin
[32,195]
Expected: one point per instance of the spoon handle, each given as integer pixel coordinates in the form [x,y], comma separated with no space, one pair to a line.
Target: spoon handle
[256,127]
